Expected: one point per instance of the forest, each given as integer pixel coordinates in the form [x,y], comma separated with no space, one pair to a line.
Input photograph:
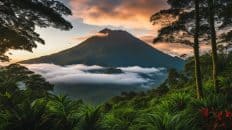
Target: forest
[195,98]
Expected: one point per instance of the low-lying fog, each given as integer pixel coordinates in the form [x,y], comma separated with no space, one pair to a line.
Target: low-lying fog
[96,84]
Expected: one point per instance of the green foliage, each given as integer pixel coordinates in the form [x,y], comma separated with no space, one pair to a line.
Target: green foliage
[90,118]
[120,119]
[171,106]
[181,13]
[27,104]
[63,112]
[19,19]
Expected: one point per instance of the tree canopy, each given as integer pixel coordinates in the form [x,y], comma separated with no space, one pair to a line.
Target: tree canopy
[19,18]
[180,25]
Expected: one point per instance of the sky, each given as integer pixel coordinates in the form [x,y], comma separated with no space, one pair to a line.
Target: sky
[91,16]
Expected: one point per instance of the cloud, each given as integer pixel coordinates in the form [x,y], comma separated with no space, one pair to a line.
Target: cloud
[125,13]
[81,74]
[177,49]
[174,49]
[137,69]
[91,34]
[148,38]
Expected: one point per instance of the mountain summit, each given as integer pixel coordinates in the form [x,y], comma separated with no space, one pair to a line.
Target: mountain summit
[106,30]
[114,48]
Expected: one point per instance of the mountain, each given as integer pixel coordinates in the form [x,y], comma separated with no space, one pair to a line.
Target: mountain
[113,48]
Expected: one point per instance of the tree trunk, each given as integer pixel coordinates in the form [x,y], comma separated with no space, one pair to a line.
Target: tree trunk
[213,43]
[196,52]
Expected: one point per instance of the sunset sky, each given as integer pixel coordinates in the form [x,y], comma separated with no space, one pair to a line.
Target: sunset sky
[90,16]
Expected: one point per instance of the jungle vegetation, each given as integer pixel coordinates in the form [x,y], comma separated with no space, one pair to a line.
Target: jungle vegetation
[197,98]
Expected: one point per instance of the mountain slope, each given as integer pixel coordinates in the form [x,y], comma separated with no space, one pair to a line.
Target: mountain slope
[115,48]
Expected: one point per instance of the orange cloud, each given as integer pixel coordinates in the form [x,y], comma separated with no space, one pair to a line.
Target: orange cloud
[177,49]
[91,34]
[125,13]
[174,49]
[147,38]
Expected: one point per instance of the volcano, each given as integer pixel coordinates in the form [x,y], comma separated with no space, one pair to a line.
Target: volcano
[112,48]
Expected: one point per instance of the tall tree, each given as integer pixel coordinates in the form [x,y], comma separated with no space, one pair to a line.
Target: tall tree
[180,25]
[176,27]
[211,6]
[181,28]
[19,18]
[196,52]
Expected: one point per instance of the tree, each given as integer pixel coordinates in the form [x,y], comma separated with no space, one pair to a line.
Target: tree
[25,95]
[211,6]
[198,77]
[15,78]
[178,22]
[181,28]
[90,119]
[25,116]
[64,113]
[19,18]
[176,8]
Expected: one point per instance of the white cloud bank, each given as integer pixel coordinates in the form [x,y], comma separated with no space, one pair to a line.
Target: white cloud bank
[80,74]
